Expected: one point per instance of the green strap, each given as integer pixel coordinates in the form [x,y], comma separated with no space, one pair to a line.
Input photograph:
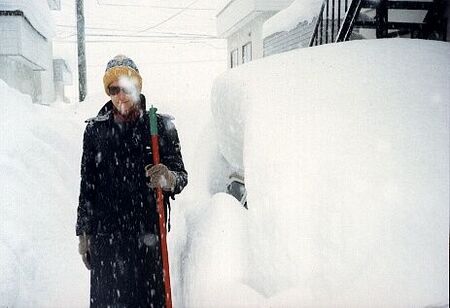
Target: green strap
[153,121]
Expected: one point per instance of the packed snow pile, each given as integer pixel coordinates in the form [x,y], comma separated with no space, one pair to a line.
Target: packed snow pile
[346,158]
[39,159]
[290,17]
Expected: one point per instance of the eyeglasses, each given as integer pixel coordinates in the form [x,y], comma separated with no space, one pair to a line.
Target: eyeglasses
[115,90]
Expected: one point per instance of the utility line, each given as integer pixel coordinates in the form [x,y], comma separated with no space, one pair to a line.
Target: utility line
[155,32]
[130,41]
[185,41]
[169,36]
[170,17]
[207,44]
[156,6]
[182,9]
[154,36]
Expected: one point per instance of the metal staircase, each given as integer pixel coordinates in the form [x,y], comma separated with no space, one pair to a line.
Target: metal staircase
[338,20]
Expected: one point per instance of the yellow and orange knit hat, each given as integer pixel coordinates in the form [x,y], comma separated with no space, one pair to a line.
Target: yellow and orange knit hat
[120,66]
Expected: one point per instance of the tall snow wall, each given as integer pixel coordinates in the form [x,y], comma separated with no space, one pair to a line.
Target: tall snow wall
[346,155]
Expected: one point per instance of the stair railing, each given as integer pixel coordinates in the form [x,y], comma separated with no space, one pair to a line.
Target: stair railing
[349,21]
[337,18]
[332,16]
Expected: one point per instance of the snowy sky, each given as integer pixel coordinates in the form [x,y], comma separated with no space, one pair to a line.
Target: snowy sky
[169,40]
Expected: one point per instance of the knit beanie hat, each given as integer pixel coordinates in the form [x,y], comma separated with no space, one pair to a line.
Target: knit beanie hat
[119,66]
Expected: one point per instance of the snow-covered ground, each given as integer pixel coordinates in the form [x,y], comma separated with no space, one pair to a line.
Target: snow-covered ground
[290,17]
[346,159]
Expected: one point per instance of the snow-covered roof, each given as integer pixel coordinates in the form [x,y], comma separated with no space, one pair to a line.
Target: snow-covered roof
[37,13]
[289,18]
[234,14]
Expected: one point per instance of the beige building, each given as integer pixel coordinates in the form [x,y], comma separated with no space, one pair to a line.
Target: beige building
[240,22]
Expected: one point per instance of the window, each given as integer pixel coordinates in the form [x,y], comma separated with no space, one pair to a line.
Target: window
[234,58]
[247,52]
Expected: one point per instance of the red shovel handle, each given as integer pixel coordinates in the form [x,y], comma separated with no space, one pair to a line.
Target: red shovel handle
[160,209]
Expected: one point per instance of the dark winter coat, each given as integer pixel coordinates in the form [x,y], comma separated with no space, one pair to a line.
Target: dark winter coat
[118,210]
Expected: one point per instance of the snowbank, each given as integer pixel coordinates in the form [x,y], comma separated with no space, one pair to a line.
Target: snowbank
[346,158]
[39,159]
[290,17]
[219,248]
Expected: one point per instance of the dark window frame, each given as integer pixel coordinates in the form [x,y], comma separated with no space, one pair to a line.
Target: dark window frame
[234,59]
[244,52]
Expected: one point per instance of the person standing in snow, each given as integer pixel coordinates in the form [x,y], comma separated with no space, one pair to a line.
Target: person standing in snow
[117,221]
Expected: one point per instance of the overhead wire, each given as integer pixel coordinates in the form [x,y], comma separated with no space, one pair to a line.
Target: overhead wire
[155,6]
[162,37]
[143,36]
[161,41]
[169,18]
[182,9]
[131,31]
[154,35]
[191,38]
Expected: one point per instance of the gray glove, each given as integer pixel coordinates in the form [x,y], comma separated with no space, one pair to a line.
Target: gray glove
[84,248]
[160,176]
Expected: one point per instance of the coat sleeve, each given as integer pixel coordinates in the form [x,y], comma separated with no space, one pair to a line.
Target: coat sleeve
[170,150]
[87,186]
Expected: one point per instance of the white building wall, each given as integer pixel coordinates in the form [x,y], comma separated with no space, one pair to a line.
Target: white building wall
[251,32]
[14,69]
[20,76]
[229,18]
[237,13]
[39,50]
[33,46]
[47,79]
[26,59]
[272,5]
[36,11]
[241,21]
[9,26]
[62,76]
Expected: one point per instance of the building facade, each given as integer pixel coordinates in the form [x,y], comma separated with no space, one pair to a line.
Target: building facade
[337,21]
[306,23]
[62,78]
[241,22]
[26,51]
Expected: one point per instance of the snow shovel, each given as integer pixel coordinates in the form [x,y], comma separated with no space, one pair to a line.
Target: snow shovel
[160,209]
